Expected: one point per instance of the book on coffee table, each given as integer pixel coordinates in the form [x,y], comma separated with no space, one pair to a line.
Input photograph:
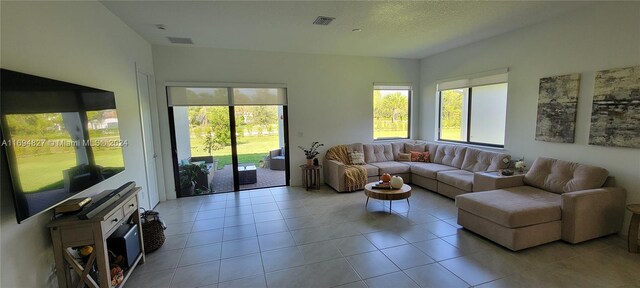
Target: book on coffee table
[382,185]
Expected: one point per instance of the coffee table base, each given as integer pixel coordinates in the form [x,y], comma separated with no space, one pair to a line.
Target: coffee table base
[367,203]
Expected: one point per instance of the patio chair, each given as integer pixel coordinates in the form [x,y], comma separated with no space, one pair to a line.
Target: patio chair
[277,159]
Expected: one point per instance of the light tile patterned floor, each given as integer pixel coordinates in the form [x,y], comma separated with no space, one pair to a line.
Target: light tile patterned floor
[288,237]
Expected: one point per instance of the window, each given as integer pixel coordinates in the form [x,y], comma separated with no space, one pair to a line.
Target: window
[391,111]
[474,110]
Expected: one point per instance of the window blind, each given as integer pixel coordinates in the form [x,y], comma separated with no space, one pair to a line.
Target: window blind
[234,94]
[478,79]
[197,96]
[391,86]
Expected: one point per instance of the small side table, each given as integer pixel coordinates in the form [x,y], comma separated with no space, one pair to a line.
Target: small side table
[633,227]
[311,176]
[492,180]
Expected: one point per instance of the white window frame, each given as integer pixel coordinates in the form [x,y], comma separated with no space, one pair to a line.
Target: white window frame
[499,76]
[394,86]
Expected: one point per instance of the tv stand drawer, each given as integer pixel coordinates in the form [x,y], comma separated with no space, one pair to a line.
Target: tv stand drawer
[130,206]
[112,220]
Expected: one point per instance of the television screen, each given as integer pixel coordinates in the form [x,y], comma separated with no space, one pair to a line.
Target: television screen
[59,139]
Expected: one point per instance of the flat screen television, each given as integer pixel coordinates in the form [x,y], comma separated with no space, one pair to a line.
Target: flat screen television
[59,139]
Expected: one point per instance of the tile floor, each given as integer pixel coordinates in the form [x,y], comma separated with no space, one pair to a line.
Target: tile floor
[288,237]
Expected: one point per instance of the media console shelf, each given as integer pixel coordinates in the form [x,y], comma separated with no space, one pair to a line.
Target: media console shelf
[69,231]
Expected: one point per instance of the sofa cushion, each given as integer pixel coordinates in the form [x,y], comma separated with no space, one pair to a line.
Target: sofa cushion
[392,167]
[418,147]
[397,148]
[431,148]
[355,147]
[513,207]
[371,170]
[450,155]
[429,170]
[378,152]
[561,176]
[460,179]
[405,157]
[477,160]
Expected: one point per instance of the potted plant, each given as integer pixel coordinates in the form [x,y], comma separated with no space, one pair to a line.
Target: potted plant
[311,152]
[188,175]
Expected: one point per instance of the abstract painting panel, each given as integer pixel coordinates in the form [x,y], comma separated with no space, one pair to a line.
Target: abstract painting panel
[557,105]
[615,117]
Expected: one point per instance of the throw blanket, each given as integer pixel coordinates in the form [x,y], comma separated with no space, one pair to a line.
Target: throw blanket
[355,175]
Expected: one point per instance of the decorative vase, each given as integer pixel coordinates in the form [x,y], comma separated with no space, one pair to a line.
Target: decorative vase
[309,162]
[316,162]
[396,182]
[386,177]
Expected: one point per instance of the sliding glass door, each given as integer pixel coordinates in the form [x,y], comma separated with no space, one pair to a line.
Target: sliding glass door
[228,139]
[260,146]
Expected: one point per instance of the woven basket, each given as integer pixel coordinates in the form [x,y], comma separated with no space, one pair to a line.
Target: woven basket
[153,235]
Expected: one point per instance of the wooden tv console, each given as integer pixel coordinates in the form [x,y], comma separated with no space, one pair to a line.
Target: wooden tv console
[69,231]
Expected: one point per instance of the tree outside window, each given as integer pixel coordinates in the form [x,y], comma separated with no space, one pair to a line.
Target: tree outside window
[391,113]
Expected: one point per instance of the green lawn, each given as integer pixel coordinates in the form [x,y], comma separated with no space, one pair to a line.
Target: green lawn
[390,134]
[450,134]
[251,149]
[39,171]
[447,133]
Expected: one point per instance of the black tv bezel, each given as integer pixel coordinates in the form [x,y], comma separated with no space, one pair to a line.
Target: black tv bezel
[10,156]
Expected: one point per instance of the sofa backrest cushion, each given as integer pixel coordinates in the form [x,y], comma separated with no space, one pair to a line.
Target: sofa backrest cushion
[397,148]
[450,155]
[559,176]
[478,160]
[378,152]
[355,147]
[416,147]
[432,148]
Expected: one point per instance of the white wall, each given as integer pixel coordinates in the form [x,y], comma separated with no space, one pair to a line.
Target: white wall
[330,97]
[597,37]
[79,42]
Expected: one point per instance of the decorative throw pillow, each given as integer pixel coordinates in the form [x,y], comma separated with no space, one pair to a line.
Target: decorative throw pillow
[420,156]
[357,158]
[406,157]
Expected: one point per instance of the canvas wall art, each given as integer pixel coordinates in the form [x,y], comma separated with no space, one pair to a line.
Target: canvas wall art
[615,116]
[557,105]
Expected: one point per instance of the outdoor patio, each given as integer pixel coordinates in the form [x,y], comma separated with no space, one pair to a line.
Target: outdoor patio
[223,179]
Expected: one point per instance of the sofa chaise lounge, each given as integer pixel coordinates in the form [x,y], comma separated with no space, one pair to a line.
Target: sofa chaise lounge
[554,200]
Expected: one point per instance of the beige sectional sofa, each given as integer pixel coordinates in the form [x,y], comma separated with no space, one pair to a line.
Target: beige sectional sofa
[450,172]
[554,200]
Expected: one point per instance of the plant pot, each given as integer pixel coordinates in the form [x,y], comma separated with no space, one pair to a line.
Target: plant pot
[309,162]
[188,191]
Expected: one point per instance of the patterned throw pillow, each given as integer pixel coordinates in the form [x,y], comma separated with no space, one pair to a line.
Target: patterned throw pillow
[420,156]
[357,158]
[406,157]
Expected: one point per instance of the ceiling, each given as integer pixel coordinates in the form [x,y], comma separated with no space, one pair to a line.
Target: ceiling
[398,29]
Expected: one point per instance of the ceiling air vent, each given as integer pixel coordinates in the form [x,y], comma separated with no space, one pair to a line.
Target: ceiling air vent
[180,40]
[323,20]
